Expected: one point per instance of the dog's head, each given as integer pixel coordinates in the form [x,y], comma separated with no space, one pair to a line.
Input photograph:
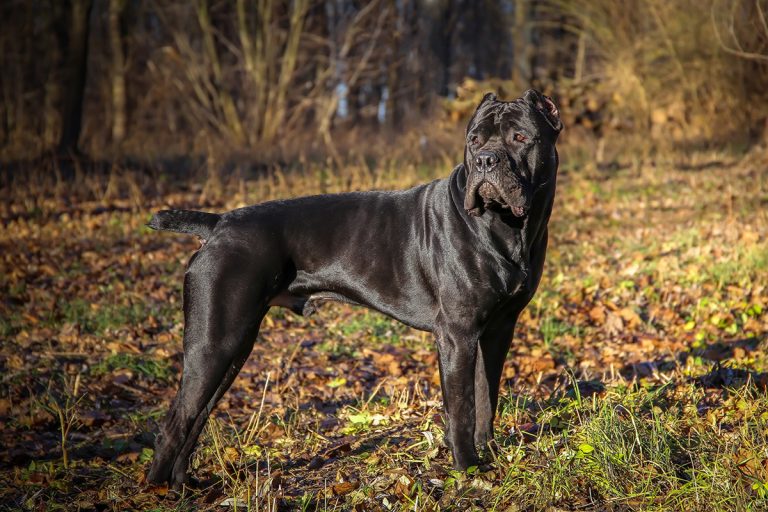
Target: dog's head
[510,152]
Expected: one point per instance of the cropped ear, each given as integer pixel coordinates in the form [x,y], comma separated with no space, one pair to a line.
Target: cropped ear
[489,97]
[552,113]
[546,106]
[485,102]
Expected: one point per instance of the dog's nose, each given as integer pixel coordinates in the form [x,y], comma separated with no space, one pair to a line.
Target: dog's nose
[485,160]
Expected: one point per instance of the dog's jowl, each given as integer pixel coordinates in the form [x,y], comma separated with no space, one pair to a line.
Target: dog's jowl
[460,257]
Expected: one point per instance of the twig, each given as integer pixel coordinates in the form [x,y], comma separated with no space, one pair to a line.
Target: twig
[739,52]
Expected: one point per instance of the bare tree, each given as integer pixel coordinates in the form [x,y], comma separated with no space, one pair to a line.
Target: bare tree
[117,70]
[75,72]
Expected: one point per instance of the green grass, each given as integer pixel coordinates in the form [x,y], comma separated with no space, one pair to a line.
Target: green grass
[10,325]
[642,449]
[99,317]
[634,446]
[159,369]
[551,328]
[374,326]
[740,270]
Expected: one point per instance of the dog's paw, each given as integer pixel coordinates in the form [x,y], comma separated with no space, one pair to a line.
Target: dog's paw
[482,439]
[179,482]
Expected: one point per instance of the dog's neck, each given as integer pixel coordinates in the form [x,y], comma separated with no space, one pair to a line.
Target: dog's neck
[512,236]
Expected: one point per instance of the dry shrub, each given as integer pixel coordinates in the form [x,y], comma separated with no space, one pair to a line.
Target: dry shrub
[262,75]
[662,73]
[653,76]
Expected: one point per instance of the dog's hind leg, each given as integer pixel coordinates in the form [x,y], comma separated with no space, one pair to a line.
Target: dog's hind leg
[179,472]
[222,313]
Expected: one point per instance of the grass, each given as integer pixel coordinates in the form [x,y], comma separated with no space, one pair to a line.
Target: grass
[551,328]
[636,379]
[151,368]
[639,448]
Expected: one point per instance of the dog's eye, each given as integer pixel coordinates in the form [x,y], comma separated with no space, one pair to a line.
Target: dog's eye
[519,137]
[474,140]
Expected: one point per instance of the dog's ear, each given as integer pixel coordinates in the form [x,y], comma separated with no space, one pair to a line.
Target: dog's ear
[546,106]
[552,113]
[489,97]
[485,102]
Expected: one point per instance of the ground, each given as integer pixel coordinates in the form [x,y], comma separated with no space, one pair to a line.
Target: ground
[636,379]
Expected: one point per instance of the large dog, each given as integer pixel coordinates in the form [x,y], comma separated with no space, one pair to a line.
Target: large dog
[460,257]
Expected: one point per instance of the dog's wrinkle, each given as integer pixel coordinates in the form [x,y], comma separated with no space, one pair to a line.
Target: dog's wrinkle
[486,115]
[504,187]
[470,201]
[506,109]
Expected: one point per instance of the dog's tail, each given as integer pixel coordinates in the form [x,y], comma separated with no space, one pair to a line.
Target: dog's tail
[185,221]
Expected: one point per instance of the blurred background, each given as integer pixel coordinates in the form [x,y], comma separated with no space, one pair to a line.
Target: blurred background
[261,83]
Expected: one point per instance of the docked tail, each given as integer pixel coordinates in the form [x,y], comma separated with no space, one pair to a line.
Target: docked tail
[185,221]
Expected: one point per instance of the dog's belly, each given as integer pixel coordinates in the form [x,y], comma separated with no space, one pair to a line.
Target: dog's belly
[413,306]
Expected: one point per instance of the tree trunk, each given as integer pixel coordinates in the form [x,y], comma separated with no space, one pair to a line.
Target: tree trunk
[75,76]
[446,47]
[394,66]
[521,36]
[118,72]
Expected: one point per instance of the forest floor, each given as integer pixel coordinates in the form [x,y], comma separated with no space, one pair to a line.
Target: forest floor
[636,379]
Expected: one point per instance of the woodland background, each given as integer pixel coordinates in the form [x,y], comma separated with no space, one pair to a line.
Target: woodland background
[275,81]
[637,377]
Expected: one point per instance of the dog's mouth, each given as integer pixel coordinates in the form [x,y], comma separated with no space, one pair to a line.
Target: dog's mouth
[492,199]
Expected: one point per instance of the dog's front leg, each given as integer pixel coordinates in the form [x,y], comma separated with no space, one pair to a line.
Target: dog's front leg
[494,345]
[457,353]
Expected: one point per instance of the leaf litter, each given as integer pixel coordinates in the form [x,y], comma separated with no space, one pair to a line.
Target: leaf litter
[643,355]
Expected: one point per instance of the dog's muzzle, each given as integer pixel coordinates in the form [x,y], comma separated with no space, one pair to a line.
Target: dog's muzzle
[491,181]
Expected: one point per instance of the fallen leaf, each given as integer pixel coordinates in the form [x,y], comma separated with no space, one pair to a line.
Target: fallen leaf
[344,488]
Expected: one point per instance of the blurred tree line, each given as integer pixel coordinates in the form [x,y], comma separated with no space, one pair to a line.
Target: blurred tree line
[111,78]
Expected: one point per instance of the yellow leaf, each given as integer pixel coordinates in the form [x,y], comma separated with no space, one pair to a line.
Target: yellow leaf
[337,382]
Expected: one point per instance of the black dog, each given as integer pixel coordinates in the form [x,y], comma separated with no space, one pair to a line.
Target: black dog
[460,257]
